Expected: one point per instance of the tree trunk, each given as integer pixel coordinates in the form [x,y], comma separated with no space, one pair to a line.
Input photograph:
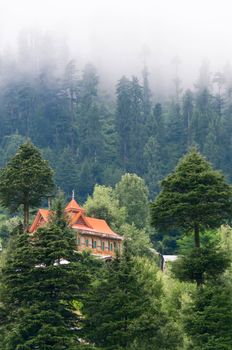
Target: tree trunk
[199,277]
[26,216]
[197,236]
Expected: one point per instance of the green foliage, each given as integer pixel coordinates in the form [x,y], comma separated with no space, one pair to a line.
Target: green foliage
[202,263]
[104,205]
[207,318]
[25,180]
[42,276]
[132,194]
[140,242]
[6,227]
[9,147]
[123,309]
[186,243]
[194,194]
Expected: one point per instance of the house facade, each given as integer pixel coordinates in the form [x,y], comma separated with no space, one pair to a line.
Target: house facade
[91,233]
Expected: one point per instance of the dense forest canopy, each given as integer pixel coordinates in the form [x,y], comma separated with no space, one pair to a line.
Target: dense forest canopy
[93,136]
[125,107]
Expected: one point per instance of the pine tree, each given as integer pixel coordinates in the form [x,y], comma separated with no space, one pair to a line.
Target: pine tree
[89,129]
[146,96]
[25,180]
[123,309]
[175,135]
[193,198]
[187,116]
[123,120]
[207,318]
[44,287]
[15,284]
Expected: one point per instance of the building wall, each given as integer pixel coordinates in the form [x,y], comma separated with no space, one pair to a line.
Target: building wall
[98,245]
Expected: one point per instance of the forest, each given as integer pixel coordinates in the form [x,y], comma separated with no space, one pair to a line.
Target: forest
[156,166]
[91,136]
[53,296]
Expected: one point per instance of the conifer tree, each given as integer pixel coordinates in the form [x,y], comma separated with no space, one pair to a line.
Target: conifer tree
[25,180]
[123,309]
[193,198]
[207,318]
[15,284]
[48,289]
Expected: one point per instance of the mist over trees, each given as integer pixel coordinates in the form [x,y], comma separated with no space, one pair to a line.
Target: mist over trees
[92,135]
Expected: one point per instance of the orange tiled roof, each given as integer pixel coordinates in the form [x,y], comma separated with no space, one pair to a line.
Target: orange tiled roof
[73,206]
[45,213]
[78,220]
[98,226]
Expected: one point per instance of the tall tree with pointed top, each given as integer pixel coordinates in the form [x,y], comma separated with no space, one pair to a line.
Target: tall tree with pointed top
[25,180]
[123,310]
[193,198]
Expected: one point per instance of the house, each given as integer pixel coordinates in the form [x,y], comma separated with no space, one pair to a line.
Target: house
[91,233]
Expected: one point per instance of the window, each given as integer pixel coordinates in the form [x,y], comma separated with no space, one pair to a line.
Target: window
[87,242]
[95,244]
[103,245]
[111,247]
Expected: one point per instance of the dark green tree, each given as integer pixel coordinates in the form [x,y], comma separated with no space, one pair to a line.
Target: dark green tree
[187,116]
[43,280]
[123,309]
[25,180]
[147,105]
[89,128]
[208,317]
[175,139]
[193,198]
[15,283]
[123,119]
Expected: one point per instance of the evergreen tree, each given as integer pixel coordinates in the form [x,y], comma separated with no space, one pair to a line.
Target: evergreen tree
[175,135]
[123,120]
[147,105]
[202,117]
[187,116]
[123,310]
[208,317]
[88,124]
[25,180]
[154,165]
[193,198]
[42,288]
[137,128]
[66,175]
[15,284]
[130,124]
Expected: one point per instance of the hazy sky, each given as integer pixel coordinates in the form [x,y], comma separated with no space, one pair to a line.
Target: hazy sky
[115,34]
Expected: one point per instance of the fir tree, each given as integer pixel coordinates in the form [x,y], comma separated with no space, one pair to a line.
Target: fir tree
[123,309]
[25,180]
[208,317]
[46,291]
[193,198]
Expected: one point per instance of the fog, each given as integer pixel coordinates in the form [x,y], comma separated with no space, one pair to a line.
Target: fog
[119,36]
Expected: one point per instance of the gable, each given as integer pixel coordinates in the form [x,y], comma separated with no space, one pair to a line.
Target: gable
[80,219]
[40,219]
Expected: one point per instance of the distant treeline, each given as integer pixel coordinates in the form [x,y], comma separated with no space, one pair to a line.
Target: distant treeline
[92,137]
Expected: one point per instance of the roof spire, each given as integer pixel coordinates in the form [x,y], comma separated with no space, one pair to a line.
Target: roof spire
[73,194]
